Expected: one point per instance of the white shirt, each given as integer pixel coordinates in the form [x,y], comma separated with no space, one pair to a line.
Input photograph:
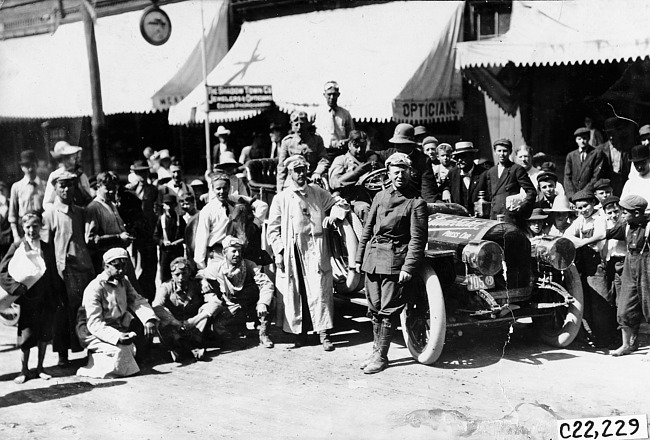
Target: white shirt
[637,185]
[333,124]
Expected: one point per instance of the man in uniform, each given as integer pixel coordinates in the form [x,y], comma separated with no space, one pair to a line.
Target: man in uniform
[333,122]
[390,249]
[302,142]
[297,224]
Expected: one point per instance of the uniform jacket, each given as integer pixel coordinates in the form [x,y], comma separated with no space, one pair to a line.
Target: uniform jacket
[512,180]
[310,146]
[476,184]
[577,174]
[395,233]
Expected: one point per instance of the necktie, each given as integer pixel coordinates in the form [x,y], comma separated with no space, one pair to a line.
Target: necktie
[583,156]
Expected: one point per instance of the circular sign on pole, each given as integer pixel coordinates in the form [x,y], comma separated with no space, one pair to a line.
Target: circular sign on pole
[155,26]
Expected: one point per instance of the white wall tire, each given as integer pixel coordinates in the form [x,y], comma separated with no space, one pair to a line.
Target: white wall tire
[424,330]
[562,328]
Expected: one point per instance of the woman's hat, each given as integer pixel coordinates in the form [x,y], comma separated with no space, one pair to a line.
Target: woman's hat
[560,204]
[537,214]
[464,147]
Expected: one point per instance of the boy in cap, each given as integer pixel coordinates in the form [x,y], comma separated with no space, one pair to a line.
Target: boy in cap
[633,302]
[390,250]
[185,311]
[583,166]
[602,190]
[297,228]
[245,293]
[546,189]
[302,142]
[443,164]
[614,250]
[25,195]
[587,233]
[169,235]
[333,122]
[105,325]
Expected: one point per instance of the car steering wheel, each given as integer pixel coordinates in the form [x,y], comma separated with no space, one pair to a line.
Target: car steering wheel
[375,180]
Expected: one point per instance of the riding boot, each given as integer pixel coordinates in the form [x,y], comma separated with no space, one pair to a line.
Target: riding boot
[265,340]
[379,360]
[376,325]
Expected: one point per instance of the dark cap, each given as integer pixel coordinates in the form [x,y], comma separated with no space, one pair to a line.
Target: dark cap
[27,157]
[537,214]
[609,200]
[640,153]
[602,184]
[169,199]
[275,126]
[545,176]
[582,131]
[504,142]
[584,194]
[614,123]
[420,129]
[633,202]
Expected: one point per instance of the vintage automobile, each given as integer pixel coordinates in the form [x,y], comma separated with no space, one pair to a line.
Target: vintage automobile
[479,272]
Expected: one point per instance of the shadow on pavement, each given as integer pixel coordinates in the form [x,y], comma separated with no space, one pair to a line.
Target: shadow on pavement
[58,391]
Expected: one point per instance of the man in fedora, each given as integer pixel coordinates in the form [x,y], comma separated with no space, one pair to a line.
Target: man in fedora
[304,143]
[465,180]
[68,157]
[403,141]
[620,139]
[585,165]
[223,134]
[25,195]
[505,182]
[333,122]
[639,184]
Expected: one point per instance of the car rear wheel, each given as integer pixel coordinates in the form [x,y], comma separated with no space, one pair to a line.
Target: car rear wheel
[562,327]
[10,315]
[424,317]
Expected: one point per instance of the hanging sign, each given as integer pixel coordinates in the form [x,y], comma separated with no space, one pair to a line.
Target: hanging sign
[221,98]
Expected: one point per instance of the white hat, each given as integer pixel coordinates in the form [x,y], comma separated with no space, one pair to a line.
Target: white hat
[227,158]
[221,130]
[295,161]
[62,148]
[115,254]
[163,154]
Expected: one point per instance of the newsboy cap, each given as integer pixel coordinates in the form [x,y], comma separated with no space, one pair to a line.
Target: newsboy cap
[634,202]
[399,160]
[115,254]
[602,184]
[503,142]
[582,131]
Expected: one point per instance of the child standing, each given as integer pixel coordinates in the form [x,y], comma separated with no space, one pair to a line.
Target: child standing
[169,235]
[39,302]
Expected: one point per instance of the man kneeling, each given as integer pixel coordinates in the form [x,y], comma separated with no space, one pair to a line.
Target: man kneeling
[185,312]
[105,325]
[245,291]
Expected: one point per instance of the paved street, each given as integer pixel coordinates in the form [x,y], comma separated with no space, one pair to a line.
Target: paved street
[484,386]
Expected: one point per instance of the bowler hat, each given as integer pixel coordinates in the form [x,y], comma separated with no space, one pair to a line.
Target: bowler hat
[560,204]
[640,153]
[403,134]
[602,184]
[503,142]
[62,148]
[464,147]
[613,124]
[27,157]
[633,202]
[537,214]
[545,176]
[609,200]
[644,130]
[582,131]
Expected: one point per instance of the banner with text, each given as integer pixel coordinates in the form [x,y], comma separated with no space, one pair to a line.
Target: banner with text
[414,110]
[221,98]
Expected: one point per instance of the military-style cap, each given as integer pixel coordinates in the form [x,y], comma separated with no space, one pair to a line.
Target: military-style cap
[403,134]
[231,241]
[633,202]
[582,131]
[640,153]
[464,147]
[609,200]
[545,176]
[503,142]
[644,130]
[399,160]
[331,85]
[584,194]
[602,184]
[429,140]
[115,254]
[420,129]
[295,161]
[66,175]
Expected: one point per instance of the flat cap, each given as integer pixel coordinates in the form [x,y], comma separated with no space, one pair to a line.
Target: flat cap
[602,184]
[644,130]
[504,142]
[584,194]
[115,254]
[66,175]
[231,241]
[582,131]
[420,129]
[633,202]
[399,160]
[609,200]
[295,161]
[429,140]
[545,176]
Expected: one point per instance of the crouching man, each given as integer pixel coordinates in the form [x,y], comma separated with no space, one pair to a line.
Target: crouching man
[185,312]
[105,325]
[245,292]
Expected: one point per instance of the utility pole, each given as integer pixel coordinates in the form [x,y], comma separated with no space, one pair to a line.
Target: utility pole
[98,122]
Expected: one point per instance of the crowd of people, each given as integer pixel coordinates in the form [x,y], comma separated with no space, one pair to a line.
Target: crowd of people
[106,267]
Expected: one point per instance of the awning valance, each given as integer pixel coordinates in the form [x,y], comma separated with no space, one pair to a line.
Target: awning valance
[392,61]
[47,76]
[564,32]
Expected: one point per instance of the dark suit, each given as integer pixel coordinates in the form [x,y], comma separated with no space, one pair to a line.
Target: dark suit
[466,196]
[618,179]
[578,174]
[513,178]
[430,190]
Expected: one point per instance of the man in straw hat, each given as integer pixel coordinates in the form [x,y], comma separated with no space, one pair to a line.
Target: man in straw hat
[465,181]
[302,142]
[298,222]
[68,158]
[25,195]
[105,324]
[223,134]
[389,253]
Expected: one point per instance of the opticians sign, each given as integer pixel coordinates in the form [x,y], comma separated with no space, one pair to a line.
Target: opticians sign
[221,98]
[427,111]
